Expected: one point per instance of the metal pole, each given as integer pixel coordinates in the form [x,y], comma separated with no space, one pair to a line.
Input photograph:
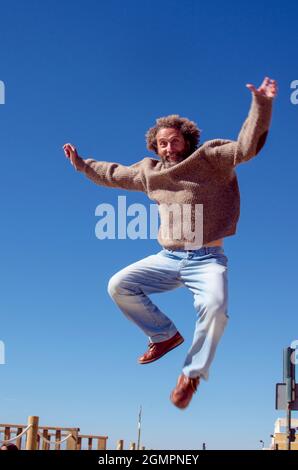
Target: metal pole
[139,428]
[288,426]
[289,379]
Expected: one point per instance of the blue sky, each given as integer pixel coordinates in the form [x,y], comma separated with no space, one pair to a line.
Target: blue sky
[98,74]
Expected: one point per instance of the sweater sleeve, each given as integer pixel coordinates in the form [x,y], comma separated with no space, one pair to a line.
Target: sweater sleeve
[251,137]
[115,175]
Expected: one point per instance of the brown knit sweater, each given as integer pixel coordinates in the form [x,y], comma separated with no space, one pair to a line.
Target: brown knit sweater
[198,199]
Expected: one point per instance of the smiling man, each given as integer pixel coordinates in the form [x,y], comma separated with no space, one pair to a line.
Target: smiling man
[172,147]
[186,176]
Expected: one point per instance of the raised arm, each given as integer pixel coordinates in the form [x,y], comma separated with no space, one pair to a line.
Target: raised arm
[254,131]
[108,174]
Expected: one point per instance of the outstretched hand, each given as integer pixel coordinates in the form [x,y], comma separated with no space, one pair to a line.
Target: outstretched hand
[71,152]
[267,88]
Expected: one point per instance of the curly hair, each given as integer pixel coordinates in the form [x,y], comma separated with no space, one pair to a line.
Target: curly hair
[189,130]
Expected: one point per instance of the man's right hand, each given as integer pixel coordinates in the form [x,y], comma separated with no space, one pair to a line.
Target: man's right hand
[71,152]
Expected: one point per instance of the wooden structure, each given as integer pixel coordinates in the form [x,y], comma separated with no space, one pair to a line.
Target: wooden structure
[32,436]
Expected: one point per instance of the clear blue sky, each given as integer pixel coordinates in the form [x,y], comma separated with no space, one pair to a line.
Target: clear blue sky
[98,73]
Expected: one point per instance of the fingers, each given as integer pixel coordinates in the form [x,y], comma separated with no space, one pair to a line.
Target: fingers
[274,87]
[70,150]
[266,82]
[67,150]
[271,87]
[251,87]
[267,88]
[269,82]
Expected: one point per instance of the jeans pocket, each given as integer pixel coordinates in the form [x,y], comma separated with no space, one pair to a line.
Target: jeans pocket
[219,258]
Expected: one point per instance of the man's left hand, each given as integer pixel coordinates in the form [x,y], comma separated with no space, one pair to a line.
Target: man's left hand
[268,88]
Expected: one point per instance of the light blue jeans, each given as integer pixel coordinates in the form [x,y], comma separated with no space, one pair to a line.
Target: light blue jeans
[203,272]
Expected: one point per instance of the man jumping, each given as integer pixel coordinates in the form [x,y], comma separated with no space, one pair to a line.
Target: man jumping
[196,189]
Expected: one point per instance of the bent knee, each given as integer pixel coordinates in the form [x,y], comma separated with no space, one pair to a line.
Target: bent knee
[119,284]
[114,286]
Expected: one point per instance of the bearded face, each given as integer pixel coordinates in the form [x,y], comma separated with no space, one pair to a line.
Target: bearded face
[172,148]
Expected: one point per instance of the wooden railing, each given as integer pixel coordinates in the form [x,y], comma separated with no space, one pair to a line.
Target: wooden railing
[31,436]
[101,442]
[39,437]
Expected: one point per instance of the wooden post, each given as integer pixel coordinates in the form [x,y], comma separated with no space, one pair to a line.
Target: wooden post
[101,443]
[31,442]
[132,446]
[120,444]
[45,445]
[7,433]
[73,440]
[57,439]
[19,440]
[143,448]
[37,442]
[79,444]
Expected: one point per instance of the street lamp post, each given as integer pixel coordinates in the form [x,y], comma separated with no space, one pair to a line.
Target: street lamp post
[139,428]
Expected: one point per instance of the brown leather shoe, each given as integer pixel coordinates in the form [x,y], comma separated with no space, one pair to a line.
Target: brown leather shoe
[157,350]
[184,390]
